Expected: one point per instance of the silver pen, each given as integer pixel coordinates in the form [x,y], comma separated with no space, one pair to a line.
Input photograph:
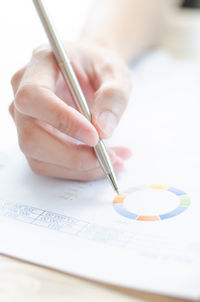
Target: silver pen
[74,87]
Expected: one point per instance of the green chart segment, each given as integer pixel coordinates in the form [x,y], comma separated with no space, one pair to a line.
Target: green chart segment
[184,202]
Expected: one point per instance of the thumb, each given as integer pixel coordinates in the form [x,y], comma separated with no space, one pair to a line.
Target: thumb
[111,100]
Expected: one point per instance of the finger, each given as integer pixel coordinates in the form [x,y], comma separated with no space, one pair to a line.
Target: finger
[35,97]
[43,143]
[111,96]
[122,152]
[16,79]
[51,170]
[12,110]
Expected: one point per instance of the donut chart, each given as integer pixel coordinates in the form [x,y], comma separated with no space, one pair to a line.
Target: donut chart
[184,203]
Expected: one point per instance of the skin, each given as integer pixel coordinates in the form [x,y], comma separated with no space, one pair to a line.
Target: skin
[47,122]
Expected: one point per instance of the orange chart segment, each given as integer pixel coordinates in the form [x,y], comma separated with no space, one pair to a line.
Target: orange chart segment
[148,218]
[119,198]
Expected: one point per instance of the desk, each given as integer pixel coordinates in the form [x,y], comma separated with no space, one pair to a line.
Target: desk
[20,281]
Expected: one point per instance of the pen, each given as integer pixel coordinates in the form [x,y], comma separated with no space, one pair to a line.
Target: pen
[74,87]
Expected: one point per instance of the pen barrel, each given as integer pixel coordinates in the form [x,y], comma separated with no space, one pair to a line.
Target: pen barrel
[51,32]
[75,89]
[74,86]
[62,60]
[103,157]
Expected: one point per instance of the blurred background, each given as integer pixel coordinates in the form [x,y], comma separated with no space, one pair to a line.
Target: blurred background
[191,3]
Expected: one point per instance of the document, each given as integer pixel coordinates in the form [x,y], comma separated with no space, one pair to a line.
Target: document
[148,238]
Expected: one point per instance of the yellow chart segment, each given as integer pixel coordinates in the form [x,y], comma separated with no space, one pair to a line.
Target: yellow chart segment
[158,187]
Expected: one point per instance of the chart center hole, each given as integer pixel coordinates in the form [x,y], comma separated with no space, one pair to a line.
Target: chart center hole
[151,202]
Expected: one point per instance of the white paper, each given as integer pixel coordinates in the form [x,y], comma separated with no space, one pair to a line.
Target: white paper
[73,227]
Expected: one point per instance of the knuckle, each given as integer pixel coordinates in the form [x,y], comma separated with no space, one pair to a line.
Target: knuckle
[15,77]
[77,160]
[27,142]
[11,109]
[84,176]
[36,166]
[23,94]
[107,68]
[114,90]
[88,176]
[41,51]
[64,123]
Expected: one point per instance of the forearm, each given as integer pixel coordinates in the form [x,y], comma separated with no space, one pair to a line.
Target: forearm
[128,27]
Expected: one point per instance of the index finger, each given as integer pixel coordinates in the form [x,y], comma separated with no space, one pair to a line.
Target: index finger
[36,97]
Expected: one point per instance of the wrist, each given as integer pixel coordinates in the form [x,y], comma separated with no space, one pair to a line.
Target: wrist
[122,47]
[98,40]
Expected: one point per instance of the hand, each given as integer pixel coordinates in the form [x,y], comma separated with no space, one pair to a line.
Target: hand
[47,121]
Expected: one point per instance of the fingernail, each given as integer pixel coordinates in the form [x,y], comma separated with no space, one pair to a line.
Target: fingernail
[107,121]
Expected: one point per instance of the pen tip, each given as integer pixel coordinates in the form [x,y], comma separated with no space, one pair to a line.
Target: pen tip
[117,191]
[114,183]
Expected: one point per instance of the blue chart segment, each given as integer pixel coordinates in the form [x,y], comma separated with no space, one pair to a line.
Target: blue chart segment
[184,202]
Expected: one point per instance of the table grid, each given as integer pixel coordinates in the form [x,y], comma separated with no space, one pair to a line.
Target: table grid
[94,232]
[65,224]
